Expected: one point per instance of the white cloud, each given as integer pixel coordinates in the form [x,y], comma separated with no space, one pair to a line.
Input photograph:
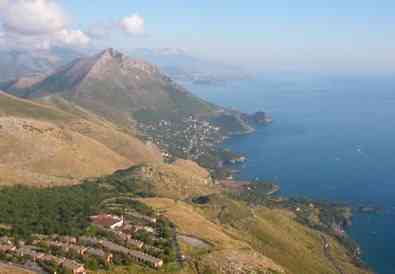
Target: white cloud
[133,24]
[37,24]
[72,38]
[32,17]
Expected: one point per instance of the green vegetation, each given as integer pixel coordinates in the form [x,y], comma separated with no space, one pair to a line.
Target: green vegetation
[230,124]
[60,210]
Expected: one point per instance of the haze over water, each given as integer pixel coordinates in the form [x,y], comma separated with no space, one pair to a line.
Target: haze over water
[332,138]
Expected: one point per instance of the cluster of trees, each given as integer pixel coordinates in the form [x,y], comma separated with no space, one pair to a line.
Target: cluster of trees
[58,210]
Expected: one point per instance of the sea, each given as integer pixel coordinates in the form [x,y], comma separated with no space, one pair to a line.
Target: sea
[332,138]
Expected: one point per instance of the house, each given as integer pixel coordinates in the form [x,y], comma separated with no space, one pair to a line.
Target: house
[49,243]
[143,258]
[30,253]
[89,241]
[51,258]
[80,250]
[138,256]
[69,266]
[7,248]
[73,267]
[107,221]
[110,246]
[98,253]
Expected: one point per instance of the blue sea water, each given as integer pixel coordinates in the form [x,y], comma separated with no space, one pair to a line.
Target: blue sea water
[333,138]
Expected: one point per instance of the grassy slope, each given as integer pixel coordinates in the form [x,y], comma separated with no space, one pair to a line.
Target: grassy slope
[166,180]
[232,226]
[11,106]
[276,234]
[45,146]
[226,249]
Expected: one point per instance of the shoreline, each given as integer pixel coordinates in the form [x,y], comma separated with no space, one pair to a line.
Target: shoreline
[341,234]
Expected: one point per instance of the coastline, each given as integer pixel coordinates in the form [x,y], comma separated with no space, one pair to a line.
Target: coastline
[339,230]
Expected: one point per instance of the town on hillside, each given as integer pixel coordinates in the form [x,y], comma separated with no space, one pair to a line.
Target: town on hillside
[143,238]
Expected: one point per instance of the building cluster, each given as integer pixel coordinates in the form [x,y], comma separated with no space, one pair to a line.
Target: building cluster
[119,242]
[190,138]
[122,232]
[34,253]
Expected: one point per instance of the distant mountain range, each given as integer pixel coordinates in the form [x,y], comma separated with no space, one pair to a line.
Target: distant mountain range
[22,63]
[176,63]
[182,66]
[120,89]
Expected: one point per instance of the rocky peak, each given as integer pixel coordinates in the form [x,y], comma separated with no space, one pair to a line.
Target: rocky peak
[111,56]
[110,53]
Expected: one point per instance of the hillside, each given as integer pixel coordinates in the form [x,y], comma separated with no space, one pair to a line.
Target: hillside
[45,146]
[120,89]
[165,180]
[223,235]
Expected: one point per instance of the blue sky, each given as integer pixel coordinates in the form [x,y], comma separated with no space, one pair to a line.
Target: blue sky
[283,34]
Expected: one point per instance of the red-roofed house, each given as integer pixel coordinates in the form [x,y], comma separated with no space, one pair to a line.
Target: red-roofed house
[107,221]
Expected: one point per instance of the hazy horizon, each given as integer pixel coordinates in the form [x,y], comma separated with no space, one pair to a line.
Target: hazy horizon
[306,36]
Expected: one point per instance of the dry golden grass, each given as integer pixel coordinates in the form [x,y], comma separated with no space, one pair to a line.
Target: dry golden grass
[228,253]
[174,182]
[31,147]
[276,234]
[136,269]
[42,146]
[192,167]
[238,261]
[190,222]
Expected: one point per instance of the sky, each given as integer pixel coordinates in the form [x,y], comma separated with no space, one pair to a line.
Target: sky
[333,35]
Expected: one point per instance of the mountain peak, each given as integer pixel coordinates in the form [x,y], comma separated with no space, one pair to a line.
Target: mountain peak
[110,57]
[110,52]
